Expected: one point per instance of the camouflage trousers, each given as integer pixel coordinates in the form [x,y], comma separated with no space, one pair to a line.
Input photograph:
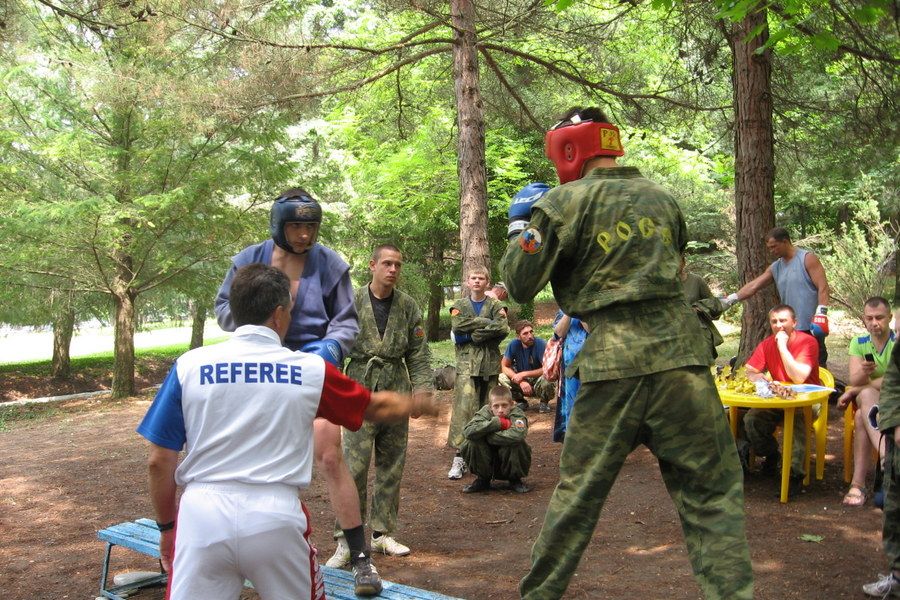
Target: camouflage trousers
[890,533]
[490,461]
[543,390]
[470,394]
[678,416]
[759,427]
[389,444]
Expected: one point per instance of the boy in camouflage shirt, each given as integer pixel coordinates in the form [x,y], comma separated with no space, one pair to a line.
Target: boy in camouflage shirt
[479,325]
[495,446]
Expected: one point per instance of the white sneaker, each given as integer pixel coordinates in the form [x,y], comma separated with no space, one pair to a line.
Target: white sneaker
[341,556]
[457,468]
[886,587]
[388,545]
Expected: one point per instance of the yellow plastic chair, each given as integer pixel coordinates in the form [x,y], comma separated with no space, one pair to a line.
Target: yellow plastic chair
[820,425]
[849,432]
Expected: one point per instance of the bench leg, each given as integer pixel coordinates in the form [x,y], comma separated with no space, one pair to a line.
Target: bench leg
[104,573]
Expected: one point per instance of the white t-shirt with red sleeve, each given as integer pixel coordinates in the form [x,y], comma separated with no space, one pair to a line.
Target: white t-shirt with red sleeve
[243,410]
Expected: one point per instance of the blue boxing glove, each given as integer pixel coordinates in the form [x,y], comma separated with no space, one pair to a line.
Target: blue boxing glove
[520,207]
[328,349]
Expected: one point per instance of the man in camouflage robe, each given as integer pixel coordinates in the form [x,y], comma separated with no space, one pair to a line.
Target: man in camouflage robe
[390,353]
[609,241]
[478,324]
[888,586]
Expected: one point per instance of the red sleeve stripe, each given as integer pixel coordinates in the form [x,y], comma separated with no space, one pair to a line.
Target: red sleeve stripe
[344,401]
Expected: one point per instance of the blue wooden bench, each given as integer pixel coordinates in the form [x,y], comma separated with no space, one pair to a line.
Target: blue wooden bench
[143,536]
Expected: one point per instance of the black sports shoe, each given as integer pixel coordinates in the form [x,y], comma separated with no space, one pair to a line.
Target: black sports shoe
[771,465]
[367,582]
[479,485]
[743,450]
[518,486]
[795,485]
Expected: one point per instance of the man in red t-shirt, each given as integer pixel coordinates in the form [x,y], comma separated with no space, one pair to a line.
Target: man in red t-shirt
[788,356]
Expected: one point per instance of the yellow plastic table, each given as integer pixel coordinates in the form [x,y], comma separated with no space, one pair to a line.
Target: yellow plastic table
[735,400]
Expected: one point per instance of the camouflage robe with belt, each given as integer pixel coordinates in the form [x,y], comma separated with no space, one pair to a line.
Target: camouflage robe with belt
[610,245]
[401,362]
[888,421]
[477,361]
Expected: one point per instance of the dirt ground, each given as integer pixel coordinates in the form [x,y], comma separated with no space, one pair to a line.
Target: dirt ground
[66,475]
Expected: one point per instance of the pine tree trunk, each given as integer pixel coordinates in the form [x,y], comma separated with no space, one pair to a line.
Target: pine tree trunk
[199,311]
[123,364]
[754,168]
[435,295]
[470,147]
[63,326]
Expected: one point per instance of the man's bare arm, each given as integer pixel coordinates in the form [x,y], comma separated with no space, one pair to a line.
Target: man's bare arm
[753,286]
[385,407]
[817,274]
[162,464]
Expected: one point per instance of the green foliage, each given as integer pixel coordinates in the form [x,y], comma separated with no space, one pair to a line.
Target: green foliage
[859,265]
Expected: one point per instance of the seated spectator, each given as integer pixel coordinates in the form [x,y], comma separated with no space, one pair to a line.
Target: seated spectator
[789,356]
[869,358]
[707,306]
[521,368]
[573,332]
[498,292]
[495,446]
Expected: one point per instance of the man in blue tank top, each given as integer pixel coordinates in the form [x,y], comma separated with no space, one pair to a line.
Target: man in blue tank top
[800,279]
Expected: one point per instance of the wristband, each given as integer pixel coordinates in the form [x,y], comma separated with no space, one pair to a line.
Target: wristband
[165,526]
[821,309]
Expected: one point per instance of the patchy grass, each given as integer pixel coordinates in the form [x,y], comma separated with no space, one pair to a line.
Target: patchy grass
[10,414]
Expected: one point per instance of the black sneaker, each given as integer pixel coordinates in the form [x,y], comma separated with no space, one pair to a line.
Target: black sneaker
[479,485]
[543,407]
[518,486]
[367,582]
[795,485]
[743,450]
[523,406]
[771,465]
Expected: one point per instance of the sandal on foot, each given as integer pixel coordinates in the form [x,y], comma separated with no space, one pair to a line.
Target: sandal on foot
[855,496]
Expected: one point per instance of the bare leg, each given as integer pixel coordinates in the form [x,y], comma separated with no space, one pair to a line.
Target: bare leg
[862,450]
[341,488]
[866,399]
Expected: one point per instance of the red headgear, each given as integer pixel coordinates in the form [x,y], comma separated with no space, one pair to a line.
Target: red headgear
[573,142]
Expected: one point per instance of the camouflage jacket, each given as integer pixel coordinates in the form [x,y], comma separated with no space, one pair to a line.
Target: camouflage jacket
[889,402]
[481,356]
[485,425]
[708,307]
[401,361]
[610,245]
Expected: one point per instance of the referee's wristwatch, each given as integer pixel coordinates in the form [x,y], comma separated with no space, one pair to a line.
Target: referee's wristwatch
[165,526]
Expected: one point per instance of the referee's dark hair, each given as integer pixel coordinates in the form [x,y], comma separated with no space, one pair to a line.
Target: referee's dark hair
[255,292]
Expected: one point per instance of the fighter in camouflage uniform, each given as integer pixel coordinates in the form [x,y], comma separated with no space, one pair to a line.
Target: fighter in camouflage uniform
[609,242]
[888,586]
[390,353]
[478,337]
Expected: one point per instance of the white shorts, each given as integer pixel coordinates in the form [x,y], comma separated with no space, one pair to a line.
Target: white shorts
[228,532]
